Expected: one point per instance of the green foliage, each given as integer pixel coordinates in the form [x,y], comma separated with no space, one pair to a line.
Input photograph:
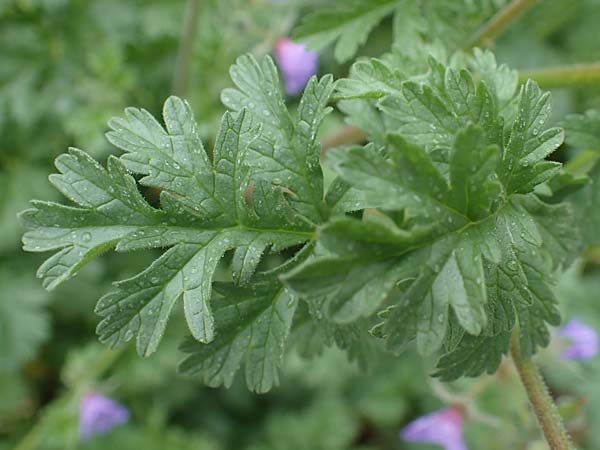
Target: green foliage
[583,134]
[252,325]
[347,22]
[465,251]
[24,323]
[259,190]
[583,130]
[456,206]
[462,252]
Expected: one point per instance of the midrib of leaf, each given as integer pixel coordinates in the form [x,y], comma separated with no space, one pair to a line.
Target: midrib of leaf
[316,196]
[306,235]
[273,311]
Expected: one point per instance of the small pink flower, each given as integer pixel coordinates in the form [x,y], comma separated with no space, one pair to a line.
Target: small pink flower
[583,340]
[296,63]
[99,414]
[444,428]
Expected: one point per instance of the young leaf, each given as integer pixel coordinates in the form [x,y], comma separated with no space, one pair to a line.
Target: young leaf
[523,160]
[287,151]
[430,113]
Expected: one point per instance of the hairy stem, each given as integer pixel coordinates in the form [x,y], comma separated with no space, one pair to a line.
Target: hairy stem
[499,22]
[186,48]
[564,76]
[545,409]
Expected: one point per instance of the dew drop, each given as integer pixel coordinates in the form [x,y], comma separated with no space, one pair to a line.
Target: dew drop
[128,336]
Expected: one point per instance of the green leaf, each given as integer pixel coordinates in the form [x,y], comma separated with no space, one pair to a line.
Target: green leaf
[458,245]
[313,332]
[528,144]
[349,23]
[501,79]
[582,131]
[252,328]
[473,356]
[261,190]
[287,150]
[370,79]
[111,207]
[430,113]
[353,279]
[428,109]
[585,205]
[475,189]
[24,323]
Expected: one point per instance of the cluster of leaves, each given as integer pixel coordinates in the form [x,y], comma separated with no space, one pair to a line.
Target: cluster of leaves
[454,248]
[466,250]
[347,24]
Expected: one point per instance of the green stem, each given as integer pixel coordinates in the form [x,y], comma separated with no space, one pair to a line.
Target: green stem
[499,22]
[545,409]
[564,76]
[186,48]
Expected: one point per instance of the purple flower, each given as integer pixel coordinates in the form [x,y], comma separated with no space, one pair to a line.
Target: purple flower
[99,414]
[583,340]
[296,63]
[444,428]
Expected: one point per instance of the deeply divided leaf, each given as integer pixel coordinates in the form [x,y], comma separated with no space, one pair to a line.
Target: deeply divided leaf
[259,190]
[460,251]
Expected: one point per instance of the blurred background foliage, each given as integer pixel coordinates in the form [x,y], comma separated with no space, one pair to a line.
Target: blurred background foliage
[66,67]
